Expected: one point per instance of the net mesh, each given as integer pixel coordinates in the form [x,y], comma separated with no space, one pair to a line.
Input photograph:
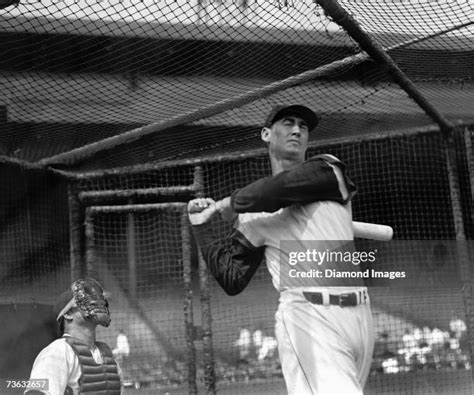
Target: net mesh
[135,83]
[403,182]
[77,73]
[138,257]
[34,242]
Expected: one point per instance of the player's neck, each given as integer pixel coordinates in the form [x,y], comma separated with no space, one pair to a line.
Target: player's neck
[278,164]
[84,334]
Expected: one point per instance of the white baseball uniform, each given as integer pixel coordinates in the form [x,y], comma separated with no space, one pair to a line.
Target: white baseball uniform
[59,364]
[325,344]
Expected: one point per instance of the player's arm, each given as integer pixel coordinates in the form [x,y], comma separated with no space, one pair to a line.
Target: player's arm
[317,179]
[232,266]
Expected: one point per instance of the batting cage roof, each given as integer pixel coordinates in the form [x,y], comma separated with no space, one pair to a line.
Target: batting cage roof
[153,81]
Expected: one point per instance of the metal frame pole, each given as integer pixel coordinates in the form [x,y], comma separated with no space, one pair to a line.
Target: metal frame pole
[209,362]
[188,303]
[76,235]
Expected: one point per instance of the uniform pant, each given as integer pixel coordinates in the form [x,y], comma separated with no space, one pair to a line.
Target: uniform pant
[323,349]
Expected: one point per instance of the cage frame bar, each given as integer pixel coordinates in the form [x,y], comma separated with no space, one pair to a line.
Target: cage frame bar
[188,302]
[205,299]
[452,169]
[137,208]
[93,197]
[468,140]
[131,254]
[76,234]
[150,167]
[91,270]
[82,248]
[92,211]
[465,251]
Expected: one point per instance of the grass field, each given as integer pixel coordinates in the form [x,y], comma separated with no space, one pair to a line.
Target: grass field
[416,383]
[408,310]
[394,311]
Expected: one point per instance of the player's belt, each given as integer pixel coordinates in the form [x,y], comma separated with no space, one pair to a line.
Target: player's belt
[343,300]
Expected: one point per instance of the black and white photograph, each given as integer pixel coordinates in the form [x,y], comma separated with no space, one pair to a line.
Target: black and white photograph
[236,197]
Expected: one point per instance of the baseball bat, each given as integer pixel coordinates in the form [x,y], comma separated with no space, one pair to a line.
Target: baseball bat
[366,230]
[363,230]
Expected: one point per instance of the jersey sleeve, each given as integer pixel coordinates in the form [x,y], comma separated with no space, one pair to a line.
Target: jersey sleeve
[233,267]
[320,178]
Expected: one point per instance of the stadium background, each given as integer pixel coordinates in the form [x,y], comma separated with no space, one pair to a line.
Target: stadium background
[75,74]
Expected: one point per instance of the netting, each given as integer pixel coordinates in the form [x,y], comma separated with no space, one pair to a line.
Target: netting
[163,87]
[34,239]
[139,257]
[34,247]
[403,182]
[75,73]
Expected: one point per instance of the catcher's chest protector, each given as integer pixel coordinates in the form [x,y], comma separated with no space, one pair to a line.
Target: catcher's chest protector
[96,379]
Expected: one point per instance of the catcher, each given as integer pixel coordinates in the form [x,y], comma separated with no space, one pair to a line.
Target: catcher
[76,363]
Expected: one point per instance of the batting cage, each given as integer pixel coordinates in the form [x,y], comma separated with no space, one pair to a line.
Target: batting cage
[114,114]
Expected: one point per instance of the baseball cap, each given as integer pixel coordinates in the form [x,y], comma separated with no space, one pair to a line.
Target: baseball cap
[63,304]
[282,110]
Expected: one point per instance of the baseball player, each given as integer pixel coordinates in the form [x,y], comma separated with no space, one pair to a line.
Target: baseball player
[76,363]
[324,333]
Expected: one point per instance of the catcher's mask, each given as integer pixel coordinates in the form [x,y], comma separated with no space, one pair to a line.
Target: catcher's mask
[88,296]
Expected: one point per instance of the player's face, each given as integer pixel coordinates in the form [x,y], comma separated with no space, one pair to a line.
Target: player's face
[287,138]
[80,320]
